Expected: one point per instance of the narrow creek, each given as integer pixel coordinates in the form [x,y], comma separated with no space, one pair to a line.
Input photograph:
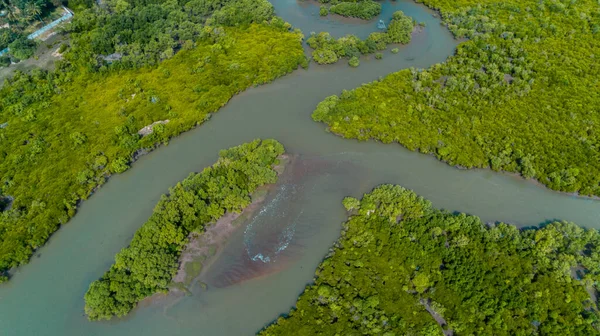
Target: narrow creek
[304,212]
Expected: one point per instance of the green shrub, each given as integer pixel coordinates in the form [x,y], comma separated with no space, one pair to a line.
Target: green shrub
[400,28]
[323,11]
[4,61]
[324,56]
[366,9]
[22,48]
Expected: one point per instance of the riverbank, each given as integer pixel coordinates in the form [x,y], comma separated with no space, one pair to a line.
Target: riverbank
[450,250]
[203,248]
[42,301]
[93,119]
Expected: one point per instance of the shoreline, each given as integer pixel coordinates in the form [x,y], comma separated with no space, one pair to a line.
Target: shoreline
[513,174]
[134,157]
[202,248]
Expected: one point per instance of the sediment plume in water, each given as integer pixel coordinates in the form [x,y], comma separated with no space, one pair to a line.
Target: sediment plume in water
[272,238]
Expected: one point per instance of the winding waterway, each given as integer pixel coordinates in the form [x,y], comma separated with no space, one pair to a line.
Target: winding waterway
[304,211]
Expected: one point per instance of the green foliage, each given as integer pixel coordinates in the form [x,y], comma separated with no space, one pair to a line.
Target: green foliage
[79,5]
[4,61]
[328,50]
[69,129]
[378,56]
[324,56]
[395,50]
[6,37]
[21,17]
[399,262]
[400,28]
[63,47]
[354,61]
[351,203]
[243,12]
[22,48]
[515,97]
[150,261]
[362,9]
[147,32]
[323,11]
[119,165]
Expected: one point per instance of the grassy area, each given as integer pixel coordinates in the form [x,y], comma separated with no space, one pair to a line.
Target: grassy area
[193,268]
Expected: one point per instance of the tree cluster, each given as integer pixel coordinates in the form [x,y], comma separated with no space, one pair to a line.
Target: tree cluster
[402,267]
[20,18]
[362,9]
[151,260]
[515,97]
[68,130]
[132,34]
[328,50]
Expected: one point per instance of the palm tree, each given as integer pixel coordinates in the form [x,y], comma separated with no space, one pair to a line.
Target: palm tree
[4,4]
[11,15]
[33,10]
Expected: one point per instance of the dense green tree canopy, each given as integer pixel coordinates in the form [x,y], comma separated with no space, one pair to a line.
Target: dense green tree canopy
[22,48]
[402,267]
[6,37]
[145,32]
[365,9]
[150,261]
[68,130]
[328,50]
[521,95]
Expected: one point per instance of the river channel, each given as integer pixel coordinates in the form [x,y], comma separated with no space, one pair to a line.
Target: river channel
[300,219]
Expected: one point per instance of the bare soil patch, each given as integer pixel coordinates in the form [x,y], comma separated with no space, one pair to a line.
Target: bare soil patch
[203,246]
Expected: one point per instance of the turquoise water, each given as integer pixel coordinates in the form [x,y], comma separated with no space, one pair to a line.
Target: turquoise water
[46,296]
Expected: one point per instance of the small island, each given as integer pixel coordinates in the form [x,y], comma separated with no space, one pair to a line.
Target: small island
[328,50]
[152,259]
[203,247]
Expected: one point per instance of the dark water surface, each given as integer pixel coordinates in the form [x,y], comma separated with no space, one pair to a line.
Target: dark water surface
[266,263]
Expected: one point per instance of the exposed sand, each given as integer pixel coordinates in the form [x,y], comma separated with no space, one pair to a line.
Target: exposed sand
[202,247]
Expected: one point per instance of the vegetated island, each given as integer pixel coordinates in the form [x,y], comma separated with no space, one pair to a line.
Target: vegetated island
[328,50]
[402,267]
[362,9]
[203,247]
[148,265]
[521,95]
[64,132]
